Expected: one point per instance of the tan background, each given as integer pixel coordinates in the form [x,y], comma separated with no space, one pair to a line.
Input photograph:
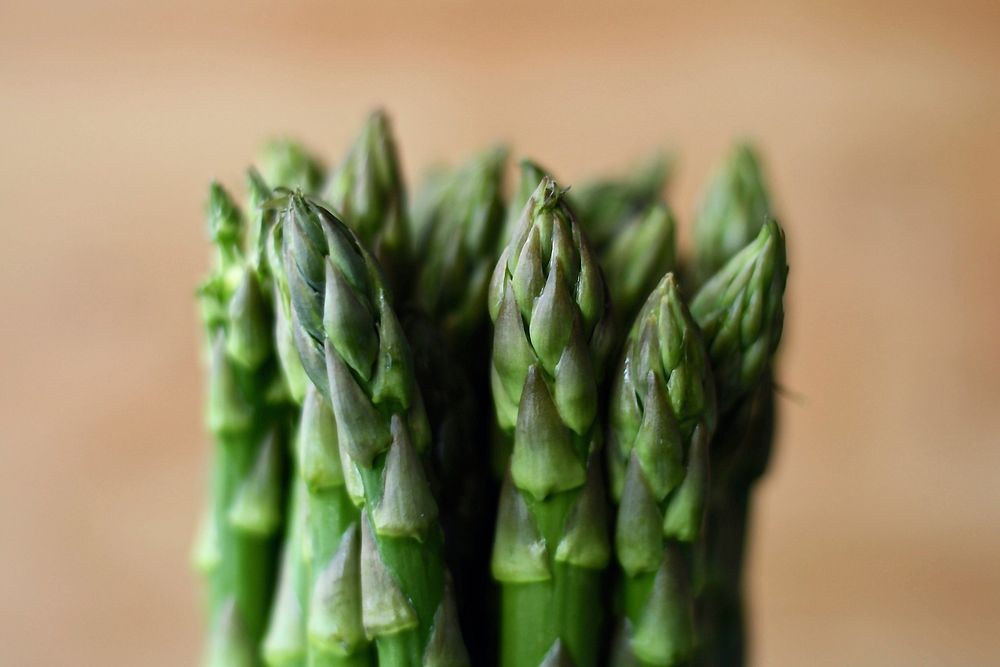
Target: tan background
[878,538]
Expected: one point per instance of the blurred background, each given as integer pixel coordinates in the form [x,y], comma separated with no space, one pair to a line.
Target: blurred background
[877,537]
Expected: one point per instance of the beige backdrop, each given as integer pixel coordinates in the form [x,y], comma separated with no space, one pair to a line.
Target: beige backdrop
[878,535]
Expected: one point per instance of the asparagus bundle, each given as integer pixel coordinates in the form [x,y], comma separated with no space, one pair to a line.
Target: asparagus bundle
[298,631]
[357,395]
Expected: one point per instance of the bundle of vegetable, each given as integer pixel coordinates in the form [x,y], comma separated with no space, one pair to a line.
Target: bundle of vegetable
[418,464]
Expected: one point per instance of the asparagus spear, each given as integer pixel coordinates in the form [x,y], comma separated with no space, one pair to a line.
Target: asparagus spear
[635,259]
[250,431]
[317,617]
[662,415]
[283,642]
[367,191]
[547,301]
[733,209]
[461,219]
[354,352]
[458,243]
[741,313]
[604,205]
[744,439]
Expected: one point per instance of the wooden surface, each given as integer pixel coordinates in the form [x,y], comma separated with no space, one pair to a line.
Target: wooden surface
[878,532]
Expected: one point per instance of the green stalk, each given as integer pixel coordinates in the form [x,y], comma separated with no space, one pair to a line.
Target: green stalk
[335,633]
[740,310]
[744,448]
[354,352]
[285,643]
[457,226]
[460,478]
[366,190]
[661,419]
[324,555]
[250,430]
[547,302]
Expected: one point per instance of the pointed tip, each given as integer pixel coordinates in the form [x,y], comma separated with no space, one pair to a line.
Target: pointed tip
[385,609]
[335,604]
[745,150]
[256,509]
[771,229]
[664,633]
[520,554]
[544,460]
[557,656]
[231,645]
[407,507]
[585,541]
[287,163]
[225,221]
[378,117]
[257,187]
[670,286]
[445,648]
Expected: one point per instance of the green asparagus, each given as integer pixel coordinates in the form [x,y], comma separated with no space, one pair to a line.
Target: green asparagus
[317,620]
[240,544]
[636,258]
[458,244]
[733,209]
[662,415]
[462,218]
[354,414]
[604,205]
[547,302]
[741,313]
[288,164]
[366,189]
[354,352]
[284,644]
